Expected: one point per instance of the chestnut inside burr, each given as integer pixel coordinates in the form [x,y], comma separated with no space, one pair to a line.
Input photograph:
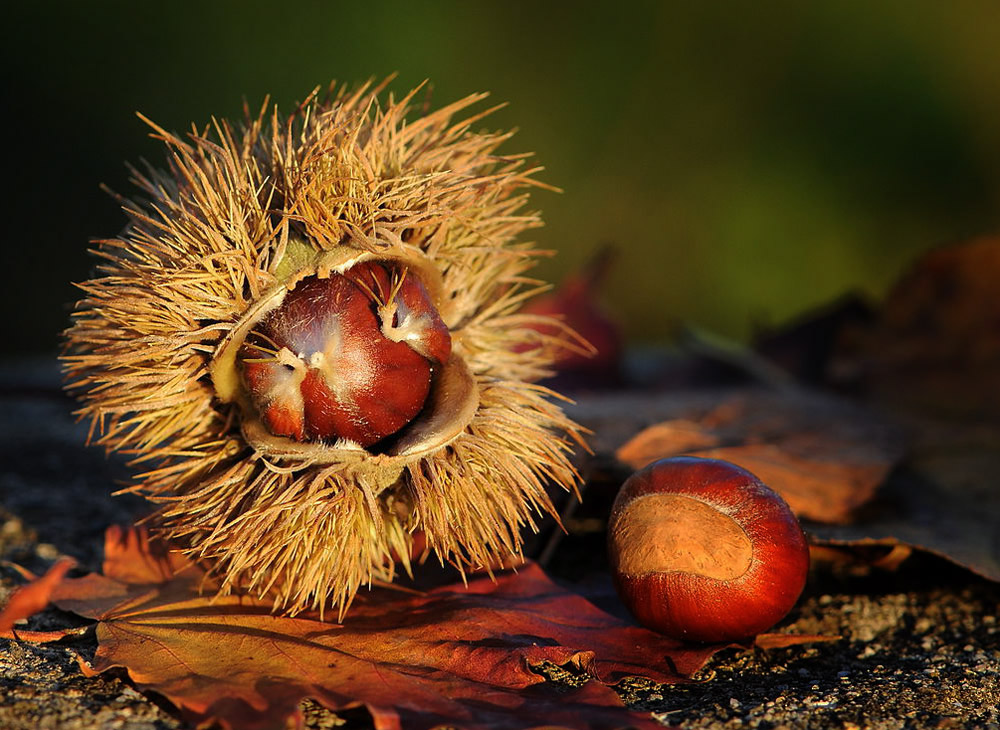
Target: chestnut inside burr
[660,533]
[349,356]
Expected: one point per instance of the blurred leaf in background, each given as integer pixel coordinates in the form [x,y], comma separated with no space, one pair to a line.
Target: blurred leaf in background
[750,160]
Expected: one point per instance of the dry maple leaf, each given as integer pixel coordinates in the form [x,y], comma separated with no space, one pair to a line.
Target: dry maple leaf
[936,342]
[930,359]
[825,457]
[32,598]
[451,655]
[944,502]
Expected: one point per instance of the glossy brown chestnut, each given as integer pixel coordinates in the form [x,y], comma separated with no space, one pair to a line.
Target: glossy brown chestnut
[348,356]
[701,550]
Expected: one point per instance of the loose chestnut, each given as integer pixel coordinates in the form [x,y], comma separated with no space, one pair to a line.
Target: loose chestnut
[701,550]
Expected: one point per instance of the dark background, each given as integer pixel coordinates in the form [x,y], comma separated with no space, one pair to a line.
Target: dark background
[749,159]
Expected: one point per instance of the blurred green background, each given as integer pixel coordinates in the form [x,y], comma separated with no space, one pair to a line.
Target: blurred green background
[749,159]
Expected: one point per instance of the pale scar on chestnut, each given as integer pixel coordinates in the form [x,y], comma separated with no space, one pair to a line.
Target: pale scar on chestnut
[663,533]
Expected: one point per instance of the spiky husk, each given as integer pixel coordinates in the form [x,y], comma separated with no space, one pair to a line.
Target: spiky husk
[207,239]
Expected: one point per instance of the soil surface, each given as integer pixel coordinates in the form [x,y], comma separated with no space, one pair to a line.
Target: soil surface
[920,644]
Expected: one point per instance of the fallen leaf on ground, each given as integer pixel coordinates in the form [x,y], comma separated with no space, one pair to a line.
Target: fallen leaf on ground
[805,346]
[945,501]
[451,655]
[825,457]
[935,343]
[33,597]
[930,359]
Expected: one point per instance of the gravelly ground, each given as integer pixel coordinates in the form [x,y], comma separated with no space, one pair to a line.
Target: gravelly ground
[916,659]
[920,647]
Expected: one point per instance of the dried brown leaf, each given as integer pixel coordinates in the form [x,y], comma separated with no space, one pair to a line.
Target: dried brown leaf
[783,641]
[936,342]
[451,655]
[33,597]
[944,502]
[825,457]
[455,655]
[930,358]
